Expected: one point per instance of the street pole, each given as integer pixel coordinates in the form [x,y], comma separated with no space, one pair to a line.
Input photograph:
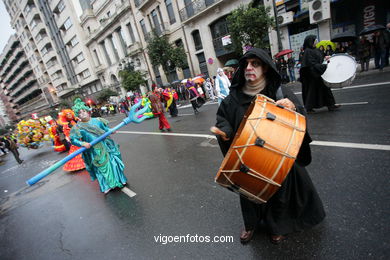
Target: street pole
[280,47]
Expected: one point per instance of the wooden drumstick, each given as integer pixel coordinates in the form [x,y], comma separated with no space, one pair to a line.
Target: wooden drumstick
[217,131]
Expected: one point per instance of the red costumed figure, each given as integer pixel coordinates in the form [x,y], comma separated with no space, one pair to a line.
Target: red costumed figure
[158,110]
[54,134]
[67,119]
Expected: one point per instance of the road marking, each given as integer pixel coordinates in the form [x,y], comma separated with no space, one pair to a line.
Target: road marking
[172,134]
[352,87]
[354,103]
[353,145]
[319,143]
[128,192]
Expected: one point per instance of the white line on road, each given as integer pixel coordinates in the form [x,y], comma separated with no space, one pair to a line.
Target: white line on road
[128,192]
[353,145]
[352,87]
[173,134]
[319,143]
[354,103]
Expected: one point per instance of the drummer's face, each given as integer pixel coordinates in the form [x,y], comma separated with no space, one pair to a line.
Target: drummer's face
[254,71]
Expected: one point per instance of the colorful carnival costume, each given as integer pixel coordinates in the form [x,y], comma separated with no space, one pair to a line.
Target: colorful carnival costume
[31,133]
[103,160]
[67,119]
[55,135]
[170,97]
[145,102]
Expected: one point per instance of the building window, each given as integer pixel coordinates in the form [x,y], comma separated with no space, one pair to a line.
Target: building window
[80,57]
[171,14]
[143,27]
[38,38]
[74,41]
[202,64]
[85,74]
[61,6]
[130,29]
[68,24]
[197,40]
[33,23]
[122,39]
[156,22]
[27,9]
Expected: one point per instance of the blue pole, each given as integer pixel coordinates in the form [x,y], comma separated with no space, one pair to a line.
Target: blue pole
[133,117]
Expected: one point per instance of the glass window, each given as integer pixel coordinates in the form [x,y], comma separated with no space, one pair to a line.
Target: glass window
[61,6]
[143,27]
[68,24]
[74,41]
[130,29]
[86,74]
[197,40]
[80,57]
[171,14]
[156,22]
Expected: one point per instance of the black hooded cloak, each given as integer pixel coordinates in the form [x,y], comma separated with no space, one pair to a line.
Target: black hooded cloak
[315,94]
[296,205]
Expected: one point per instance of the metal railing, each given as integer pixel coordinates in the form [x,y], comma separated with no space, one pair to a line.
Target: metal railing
[194,8]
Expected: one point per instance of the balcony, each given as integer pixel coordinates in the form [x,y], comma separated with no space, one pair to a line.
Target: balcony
[106,24]
[143,4]
[219,48]
[195,8]
[134,48]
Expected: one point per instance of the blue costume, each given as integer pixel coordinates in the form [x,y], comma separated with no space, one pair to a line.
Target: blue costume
[103,161]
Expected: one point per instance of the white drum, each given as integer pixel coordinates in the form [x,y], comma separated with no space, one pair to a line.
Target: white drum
[340,72]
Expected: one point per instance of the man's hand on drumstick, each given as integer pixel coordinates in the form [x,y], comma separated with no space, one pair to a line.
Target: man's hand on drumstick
[215,130]
[286,103]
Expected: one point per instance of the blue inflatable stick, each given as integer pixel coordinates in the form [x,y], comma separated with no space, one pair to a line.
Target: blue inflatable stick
[132,117]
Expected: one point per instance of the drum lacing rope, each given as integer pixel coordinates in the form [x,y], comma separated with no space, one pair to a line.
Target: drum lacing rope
[253,173]
[278,120]
[244,190]
[271,147]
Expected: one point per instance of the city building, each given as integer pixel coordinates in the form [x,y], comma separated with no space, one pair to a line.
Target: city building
[21,93]
[323,18]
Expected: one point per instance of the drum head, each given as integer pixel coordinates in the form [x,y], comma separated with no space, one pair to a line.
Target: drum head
[341,68]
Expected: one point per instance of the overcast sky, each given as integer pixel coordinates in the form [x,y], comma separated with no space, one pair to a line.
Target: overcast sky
[5,29]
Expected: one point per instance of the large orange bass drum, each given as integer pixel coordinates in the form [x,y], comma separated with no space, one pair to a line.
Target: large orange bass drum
[263,150]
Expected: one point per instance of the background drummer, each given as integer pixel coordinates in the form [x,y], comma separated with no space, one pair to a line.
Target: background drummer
[296,205]
[315,94]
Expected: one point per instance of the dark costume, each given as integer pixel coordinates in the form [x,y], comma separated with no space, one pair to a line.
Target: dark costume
[315,94]
[296,205]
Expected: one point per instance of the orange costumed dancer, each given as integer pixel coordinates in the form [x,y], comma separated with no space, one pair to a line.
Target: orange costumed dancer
[53,131]
[67,119]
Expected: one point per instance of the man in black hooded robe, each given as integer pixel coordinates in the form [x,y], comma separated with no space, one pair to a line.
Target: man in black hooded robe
[296,205]
[315,94]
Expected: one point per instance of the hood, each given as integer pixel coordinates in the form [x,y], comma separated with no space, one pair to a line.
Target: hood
[272,75]
[309,41]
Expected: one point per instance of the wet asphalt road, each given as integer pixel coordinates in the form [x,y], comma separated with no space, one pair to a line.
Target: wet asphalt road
[66,217]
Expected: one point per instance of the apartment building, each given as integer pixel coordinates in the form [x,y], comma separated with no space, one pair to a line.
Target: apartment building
[21,93]
[118,32]
[113,41]
[54,42]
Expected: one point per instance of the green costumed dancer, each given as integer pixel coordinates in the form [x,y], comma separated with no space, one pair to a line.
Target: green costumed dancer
[103,161]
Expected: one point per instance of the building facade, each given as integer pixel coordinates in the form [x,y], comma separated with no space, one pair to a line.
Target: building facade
[323,18]
[21,93]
